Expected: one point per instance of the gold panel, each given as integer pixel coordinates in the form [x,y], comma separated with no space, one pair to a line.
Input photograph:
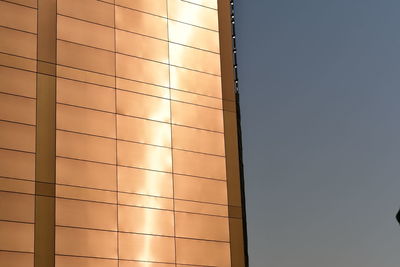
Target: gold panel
[143,88]
[86,214]
[82,242]
[193,14]
[139,22]
[15,259]
[201,100]
[14,185]
[195,82]
[123,263]
[16,236]
[18,109]
[157,7]
[146,248]
[196,164]
[17,164]
[145,201]
[87,58]
[85,95]
[207,3]
[18,17]
[142,70]
[201,226]
[141,46]
[17,82]
[144,182]
[18,62]
[198,140]
[193,36]
[85,76]
[81,146]
[18,43]
[31,3]
[194,59]
[198,189]
[85,33]
[143,131]
[85,121]
[79,193]
[146,221]
[17,136]
[16,207]
[193,251]
[86,174]
[144,156]
[90,10]
[143,106]
[196,116]
[195,207]
[65,261]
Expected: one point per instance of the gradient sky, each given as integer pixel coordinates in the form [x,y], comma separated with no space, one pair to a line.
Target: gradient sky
[320,91]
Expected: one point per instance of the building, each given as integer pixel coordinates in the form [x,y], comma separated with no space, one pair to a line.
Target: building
[118,134]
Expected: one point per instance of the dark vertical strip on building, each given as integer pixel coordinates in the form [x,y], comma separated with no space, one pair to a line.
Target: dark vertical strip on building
[45,174]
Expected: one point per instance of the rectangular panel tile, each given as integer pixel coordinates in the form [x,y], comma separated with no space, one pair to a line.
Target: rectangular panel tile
[143,88]
[18,17]
[144,156]
[200,100]
[79,193]
[195,207]
[17,136]
[18,62]
[81,146]
[145,201]
[30,3]
[16,236]
[85,121]
[157,7]
[17,164]
[144,182]
[15,259]
[18,109]
[86,174]
[143,131]
[17,82]
[190,163]
[14,185]
[207,3]
[66,261]
[16,207]
[18,43]
[85,76]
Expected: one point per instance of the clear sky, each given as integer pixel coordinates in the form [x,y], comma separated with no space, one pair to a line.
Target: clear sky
[320,93]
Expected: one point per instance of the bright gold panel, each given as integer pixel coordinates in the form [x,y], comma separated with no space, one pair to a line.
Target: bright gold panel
[144,182]
[85,95]
[194,59]
[16,207]
[79,193]
[145,201]
[198,140]
[90,10]
[85,121]
[143,264]
[193,36]
[143,88]
[207,3]
[146,221]
[200,100]
[144,156]
[14,185]
[86,174]
[141,46]
[82,242]
[17,164]
[16,236]
[193,14]
[87,58]
[142,70]
[143,131]
[146,248]
[196,116]
[201,226]
[85,76]
[18,109]
[193,251]
[65,261]
[158,7]
[86,214]
[85,33]
[195,82]
[17,136]
[143,106]
[81,146]
[195,207]
[198,189]
[17,43]
[139,22]
[15,259]
[196,164]
[18,62]
[18,17]
[17,82]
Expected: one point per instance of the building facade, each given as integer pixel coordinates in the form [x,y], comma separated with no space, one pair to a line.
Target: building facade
[119,141]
